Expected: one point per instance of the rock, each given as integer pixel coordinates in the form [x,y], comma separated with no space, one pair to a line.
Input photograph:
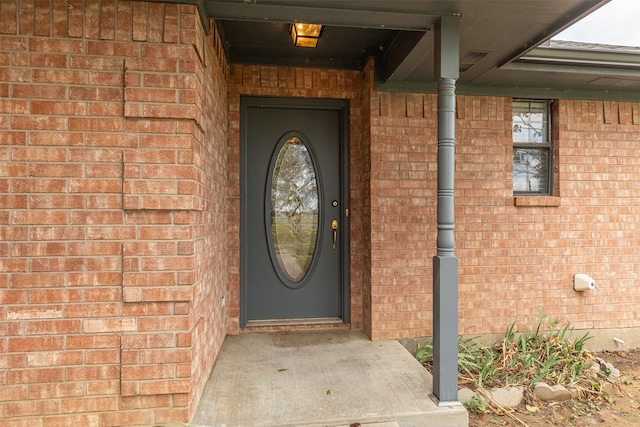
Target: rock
[465,395]
[556,393]
[575,393]
[601,365]
[509,397]
[609,388]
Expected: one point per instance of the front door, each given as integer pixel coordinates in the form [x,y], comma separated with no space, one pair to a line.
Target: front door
[293,210]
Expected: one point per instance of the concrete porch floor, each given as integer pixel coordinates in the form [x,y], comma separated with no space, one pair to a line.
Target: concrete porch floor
[320,378]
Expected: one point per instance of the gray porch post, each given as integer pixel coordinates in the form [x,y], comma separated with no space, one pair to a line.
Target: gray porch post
[445,263]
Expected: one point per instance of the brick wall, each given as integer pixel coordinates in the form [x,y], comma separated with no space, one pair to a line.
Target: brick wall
[517,260]
[113,160]
[361,161]
[517,256]
[403,209]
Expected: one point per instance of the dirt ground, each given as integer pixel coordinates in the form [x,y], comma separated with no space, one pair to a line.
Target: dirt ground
[621,408]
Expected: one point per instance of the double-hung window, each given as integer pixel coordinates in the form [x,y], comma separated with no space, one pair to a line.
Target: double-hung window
[532,147]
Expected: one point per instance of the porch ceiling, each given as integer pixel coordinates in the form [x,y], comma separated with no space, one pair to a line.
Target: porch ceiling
[494,35]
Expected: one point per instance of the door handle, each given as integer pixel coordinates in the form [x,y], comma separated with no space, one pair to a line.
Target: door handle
[334,227]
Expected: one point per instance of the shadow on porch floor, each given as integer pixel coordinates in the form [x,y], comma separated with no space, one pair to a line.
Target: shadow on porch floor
[313,379]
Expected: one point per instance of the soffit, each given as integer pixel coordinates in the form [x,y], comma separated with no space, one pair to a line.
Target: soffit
[494,37]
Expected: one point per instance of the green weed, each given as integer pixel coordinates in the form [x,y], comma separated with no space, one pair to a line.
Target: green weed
[545,354]
[475,404]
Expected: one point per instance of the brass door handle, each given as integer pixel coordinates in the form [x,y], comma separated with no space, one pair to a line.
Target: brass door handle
[334,227]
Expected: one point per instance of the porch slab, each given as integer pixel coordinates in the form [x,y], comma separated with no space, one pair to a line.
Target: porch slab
[321,378]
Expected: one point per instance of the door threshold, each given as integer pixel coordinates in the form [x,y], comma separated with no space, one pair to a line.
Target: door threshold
[302,323]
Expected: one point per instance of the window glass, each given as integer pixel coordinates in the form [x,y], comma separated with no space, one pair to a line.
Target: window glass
[530,122]
[530,170]
[294,209]
[531,147]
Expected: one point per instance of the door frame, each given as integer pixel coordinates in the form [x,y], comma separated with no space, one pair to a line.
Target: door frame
[340,105]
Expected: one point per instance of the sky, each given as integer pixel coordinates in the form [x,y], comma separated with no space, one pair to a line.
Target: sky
[615,23]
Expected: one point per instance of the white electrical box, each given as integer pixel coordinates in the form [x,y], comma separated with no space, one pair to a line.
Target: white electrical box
[583,282]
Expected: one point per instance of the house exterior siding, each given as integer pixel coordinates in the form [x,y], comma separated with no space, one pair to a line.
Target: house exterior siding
[113,174]
[120,210]
[519,256]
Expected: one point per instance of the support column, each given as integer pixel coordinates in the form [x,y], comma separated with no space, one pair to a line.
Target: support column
[445,263]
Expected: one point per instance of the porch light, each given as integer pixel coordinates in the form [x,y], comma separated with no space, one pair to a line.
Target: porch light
[305,35]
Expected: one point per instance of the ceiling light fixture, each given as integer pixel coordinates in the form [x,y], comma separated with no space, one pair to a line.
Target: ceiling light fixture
[305,35]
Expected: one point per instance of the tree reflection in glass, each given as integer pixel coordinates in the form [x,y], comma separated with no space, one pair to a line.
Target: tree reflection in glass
[530,169]
[531,147]
[294,209]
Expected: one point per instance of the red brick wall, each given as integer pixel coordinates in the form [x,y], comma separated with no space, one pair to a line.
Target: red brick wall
[361,161]
[113,153]
[517,260]
[517,256]
[403,208]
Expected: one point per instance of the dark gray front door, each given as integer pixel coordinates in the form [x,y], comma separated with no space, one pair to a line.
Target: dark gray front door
[293,212]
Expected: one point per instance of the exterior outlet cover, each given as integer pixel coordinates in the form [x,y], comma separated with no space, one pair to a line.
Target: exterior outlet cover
[583,282]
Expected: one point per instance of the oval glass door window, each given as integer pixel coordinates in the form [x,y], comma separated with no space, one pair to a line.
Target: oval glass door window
[294,209]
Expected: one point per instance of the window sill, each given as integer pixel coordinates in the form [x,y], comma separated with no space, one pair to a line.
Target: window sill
[547,201]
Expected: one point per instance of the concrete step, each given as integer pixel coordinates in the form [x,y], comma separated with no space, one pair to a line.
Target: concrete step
[320,379]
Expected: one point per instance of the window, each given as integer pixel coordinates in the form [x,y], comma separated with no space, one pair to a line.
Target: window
[532,148]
